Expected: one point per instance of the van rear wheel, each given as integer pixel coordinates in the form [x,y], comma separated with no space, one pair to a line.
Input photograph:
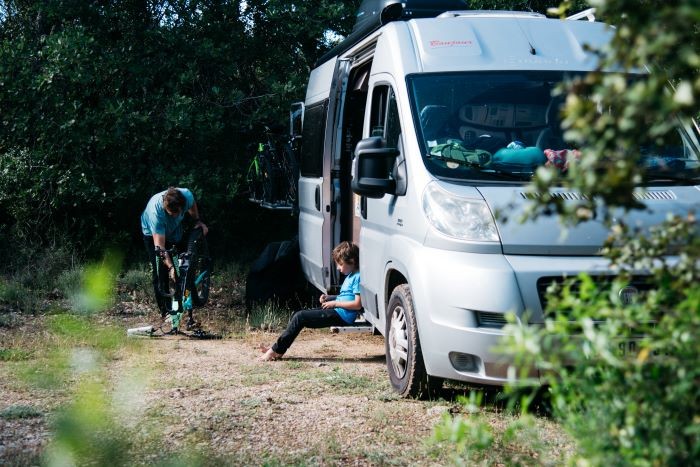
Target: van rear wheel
[404,358]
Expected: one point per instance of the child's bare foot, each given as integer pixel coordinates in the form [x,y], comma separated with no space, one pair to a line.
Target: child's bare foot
[270,355]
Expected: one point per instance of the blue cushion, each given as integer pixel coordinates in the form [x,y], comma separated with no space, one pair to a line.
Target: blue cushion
[529,156]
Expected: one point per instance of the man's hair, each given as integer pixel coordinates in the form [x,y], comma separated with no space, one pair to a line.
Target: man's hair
[173,199]
[348,253]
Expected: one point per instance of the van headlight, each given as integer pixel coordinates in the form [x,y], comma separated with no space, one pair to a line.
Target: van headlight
[462,218]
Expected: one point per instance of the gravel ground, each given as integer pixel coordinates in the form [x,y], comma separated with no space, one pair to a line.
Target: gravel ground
[328,402]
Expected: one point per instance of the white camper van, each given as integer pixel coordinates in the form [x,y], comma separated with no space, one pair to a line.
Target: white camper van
[418,128]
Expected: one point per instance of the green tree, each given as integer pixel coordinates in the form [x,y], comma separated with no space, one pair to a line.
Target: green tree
[105,103]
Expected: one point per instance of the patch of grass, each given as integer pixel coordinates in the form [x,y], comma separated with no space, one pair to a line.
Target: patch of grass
[73,330]
[231,272]
[476,439]
[10,291]
[252,403]
[347,383]
[15,412]
[295,365]
[49,372]
[14,355]
[8,320]
[269,316]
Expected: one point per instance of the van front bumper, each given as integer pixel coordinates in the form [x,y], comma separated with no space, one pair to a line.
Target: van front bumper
[461,301]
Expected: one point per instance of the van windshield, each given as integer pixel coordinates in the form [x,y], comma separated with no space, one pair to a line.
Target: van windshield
[501,126]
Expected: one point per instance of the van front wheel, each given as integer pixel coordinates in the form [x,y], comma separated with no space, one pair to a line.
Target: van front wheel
[403,351]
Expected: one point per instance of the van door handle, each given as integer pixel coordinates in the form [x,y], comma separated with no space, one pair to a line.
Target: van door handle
[318,197]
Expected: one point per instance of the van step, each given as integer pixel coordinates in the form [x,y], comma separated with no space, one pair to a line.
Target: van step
[351,329]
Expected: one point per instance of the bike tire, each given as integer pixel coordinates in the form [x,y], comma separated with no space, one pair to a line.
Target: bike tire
[268,180]
[291,174]
[253,180]
[164,299]
[199,274]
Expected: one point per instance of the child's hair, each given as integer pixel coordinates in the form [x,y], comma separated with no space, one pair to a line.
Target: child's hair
[347,253]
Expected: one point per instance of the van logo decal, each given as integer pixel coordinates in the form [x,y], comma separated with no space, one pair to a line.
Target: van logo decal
[628,295]
[438,43]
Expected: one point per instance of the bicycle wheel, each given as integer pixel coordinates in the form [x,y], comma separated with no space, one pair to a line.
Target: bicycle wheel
[291,169]
[199,274]
[164,296]
[253,180]
[268,180]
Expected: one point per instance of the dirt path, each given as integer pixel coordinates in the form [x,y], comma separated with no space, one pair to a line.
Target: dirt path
[328,402]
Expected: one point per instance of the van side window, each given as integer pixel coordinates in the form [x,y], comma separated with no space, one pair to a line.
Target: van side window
[384,120]
[312,140]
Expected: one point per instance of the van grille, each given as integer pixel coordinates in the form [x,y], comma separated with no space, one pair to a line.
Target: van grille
[566,195]
[641,283]
[655,195]
[651,195]
[490,320]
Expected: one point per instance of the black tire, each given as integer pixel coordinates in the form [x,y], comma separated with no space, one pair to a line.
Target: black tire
[164,297]
[268,180]
[292,174]
[200,272]
[404,358]
[253,180]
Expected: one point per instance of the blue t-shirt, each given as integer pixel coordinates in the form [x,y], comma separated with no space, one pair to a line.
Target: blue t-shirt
[350,288]
[155,219]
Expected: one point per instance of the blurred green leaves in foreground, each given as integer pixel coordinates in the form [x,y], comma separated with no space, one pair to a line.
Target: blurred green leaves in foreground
[98,281]
[97,410]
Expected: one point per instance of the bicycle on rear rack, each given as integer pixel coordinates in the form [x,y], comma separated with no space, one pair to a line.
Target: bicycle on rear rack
[273,174]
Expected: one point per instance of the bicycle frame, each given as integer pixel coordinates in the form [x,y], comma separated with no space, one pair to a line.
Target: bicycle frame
[274,171]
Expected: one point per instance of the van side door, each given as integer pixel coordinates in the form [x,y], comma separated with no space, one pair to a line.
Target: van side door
[311,218]
[317,190]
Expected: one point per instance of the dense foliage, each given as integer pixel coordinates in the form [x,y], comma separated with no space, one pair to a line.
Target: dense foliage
[623,377]
[104,103]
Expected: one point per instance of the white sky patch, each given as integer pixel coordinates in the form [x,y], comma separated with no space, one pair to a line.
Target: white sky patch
[331,38]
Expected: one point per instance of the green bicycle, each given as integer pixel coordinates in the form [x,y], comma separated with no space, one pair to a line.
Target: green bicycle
[273,175]
[190,290]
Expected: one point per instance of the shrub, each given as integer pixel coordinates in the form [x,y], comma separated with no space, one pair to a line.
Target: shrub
[623,378]
[69,281]
[15,412]
[135,280]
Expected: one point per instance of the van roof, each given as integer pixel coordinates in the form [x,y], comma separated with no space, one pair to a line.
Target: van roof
[373,14]
[475,41]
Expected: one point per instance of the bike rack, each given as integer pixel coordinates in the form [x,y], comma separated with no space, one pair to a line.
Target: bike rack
[276,206]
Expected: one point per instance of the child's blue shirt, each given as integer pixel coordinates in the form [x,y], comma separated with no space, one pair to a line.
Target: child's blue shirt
[350,288]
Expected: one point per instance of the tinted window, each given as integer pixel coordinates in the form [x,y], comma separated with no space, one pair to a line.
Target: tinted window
[312,140]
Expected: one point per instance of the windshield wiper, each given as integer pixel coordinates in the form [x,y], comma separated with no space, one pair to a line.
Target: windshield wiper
[675,178]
